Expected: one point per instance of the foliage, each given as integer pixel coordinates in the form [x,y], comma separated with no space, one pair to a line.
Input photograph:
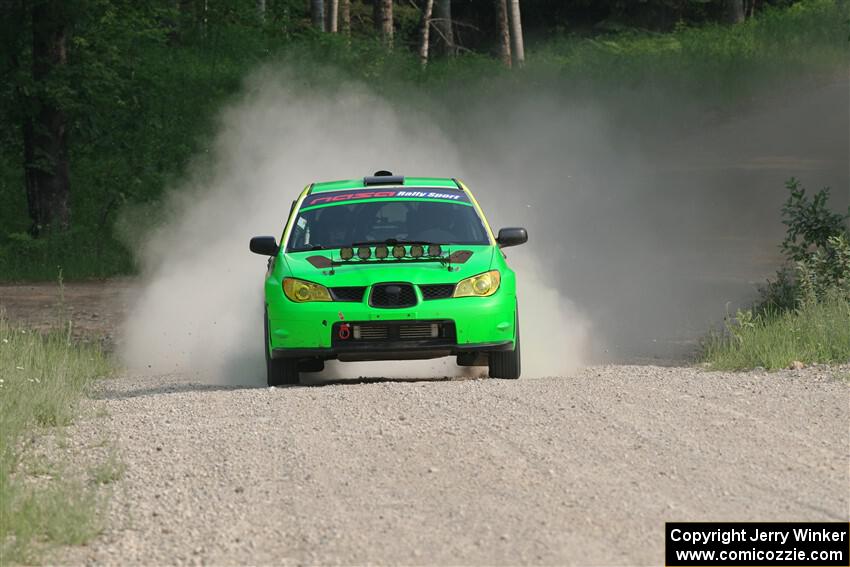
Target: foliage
[145,82]
[779,294]
[802,316]
[811,223]
[815,332]
[81,252]
[712,60]
[42,376]
[813,245]
[826,272]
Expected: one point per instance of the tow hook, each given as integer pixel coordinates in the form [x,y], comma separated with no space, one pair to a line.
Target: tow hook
[344,332]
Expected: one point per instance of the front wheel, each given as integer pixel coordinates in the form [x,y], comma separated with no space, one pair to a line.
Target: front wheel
[279,371]
[506,363]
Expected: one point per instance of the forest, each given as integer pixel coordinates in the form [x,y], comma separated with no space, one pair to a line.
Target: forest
[104,102]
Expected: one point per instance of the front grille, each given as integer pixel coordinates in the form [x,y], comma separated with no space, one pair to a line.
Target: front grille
[392,295]
[371,333]
[437,291]
[419,331]
[354,293]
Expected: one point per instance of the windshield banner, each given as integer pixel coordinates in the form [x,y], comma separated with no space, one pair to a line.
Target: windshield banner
[412,193]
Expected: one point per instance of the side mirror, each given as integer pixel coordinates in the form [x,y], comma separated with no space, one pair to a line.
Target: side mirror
[512,237]
[265,245]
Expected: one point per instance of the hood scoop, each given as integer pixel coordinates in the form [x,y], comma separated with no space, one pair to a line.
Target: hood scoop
[320,262]
[460,257]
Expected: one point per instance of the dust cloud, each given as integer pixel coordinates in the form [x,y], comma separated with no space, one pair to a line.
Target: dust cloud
[641,234]
[199,308]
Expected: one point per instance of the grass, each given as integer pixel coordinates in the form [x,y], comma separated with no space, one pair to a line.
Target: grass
[715,60]
[63,513]
[814,333]
[42,378]
[109,471]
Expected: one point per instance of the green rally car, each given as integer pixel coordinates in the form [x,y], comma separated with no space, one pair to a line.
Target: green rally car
[389,268]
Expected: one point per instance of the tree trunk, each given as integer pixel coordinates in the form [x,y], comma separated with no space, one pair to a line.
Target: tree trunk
[443,27]
[205,19]
[504,32]
[425,32]
[516,34]
[317,14]
[45,145]
[383,17]
[261,11]
[734,11]
[331,16]
[345,10]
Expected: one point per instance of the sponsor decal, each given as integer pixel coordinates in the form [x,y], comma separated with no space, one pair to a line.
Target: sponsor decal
[357,194]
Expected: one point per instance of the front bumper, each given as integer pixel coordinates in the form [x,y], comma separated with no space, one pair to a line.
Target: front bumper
[389,351]
[307,329]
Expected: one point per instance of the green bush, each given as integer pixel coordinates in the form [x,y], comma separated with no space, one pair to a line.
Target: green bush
[811,223]
[812,247]
[826,272]
[803,315]
[80,252]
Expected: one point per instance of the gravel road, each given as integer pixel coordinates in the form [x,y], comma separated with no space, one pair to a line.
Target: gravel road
[582,469]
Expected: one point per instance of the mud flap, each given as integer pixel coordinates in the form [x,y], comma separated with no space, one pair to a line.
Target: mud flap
[473,359]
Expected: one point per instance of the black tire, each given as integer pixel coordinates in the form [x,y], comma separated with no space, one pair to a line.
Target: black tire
[505,364]
[279,371]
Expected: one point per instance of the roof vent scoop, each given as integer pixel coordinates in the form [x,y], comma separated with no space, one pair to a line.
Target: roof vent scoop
[384,177]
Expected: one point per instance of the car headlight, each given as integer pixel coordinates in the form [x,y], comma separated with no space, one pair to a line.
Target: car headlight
[481,285]
[300,291]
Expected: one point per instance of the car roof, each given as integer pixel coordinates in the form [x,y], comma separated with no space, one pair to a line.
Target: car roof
[361,183]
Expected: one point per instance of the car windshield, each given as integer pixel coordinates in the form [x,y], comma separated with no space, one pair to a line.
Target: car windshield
[341,225]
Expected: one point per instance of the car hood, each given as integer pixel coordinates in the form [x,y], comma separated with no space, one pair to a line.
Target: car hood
[354,273]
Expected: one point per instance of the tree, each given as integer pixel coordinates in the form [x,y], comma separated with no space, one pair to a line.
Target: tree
[504,32]
[345,13]
[383,17]
[443,27]
[734,11]
[425,32]
[317,14]
[516,34]
[46,166]
[261,11]
[331,16]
